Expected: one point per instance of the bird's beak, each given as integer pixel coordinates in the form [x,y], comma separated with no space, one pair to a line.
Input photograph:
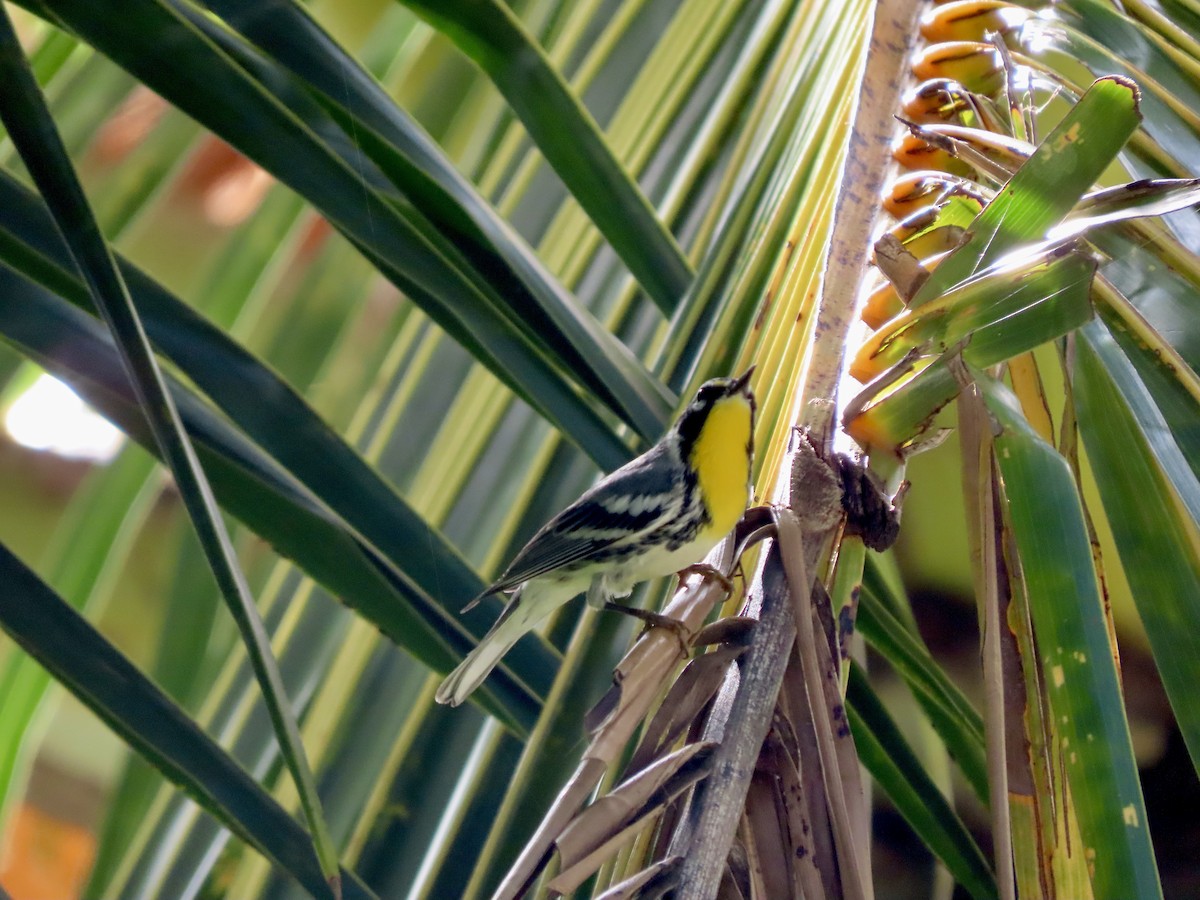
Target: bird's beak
[741,384]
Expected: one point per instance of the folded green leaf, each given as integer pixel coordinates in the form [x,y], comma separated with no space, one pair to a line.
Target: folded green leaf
[887,756]
[1082,686]
[491,35]
[1152,498]
[145,718]
[87,546]
[255,488]
[1063,168]
[1155,197]
[1001,312]
[1107,42]
[417,167]
[280,126]
[24,113]
[953,717]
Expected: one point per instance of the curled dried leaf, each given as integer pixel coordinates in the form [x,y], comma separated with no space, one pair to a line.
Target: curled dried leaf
[690,693]
[649,884]
[597,833]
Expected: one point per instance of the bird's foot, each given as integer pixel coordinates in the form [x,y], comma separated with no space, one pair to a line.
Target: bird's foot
[657,620]
[707,572]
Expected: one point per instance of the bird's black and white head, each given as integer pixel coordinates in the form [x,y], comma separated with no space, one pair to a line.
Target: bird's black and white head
[718,395]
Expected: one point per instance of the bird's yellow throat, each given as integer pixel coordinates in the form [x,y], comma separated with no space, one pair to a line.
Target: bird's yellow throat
[721,462]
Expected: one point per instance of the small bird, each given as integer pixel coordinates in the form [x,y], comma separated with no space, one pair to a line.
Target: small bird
[658,514]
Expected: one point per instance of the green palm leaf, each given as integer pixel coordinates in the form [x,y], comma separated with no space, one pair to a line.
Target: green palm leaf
[489,247]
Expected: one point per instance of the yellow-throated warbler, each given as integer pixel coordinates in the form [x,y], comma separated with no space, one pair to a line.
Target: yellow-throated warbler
[657,514]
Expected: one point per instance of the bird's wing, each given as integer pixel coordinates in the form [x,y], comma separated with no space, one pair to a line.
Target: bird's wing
[630,502]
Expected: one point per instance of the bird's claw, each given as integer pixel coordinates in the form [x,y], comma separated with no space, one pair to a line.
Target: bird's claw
[658,620]
[707,572]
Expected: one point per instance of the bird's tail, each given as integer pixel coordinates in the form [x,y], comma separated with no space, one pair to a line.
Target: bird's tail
[470,673]
[530,605]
